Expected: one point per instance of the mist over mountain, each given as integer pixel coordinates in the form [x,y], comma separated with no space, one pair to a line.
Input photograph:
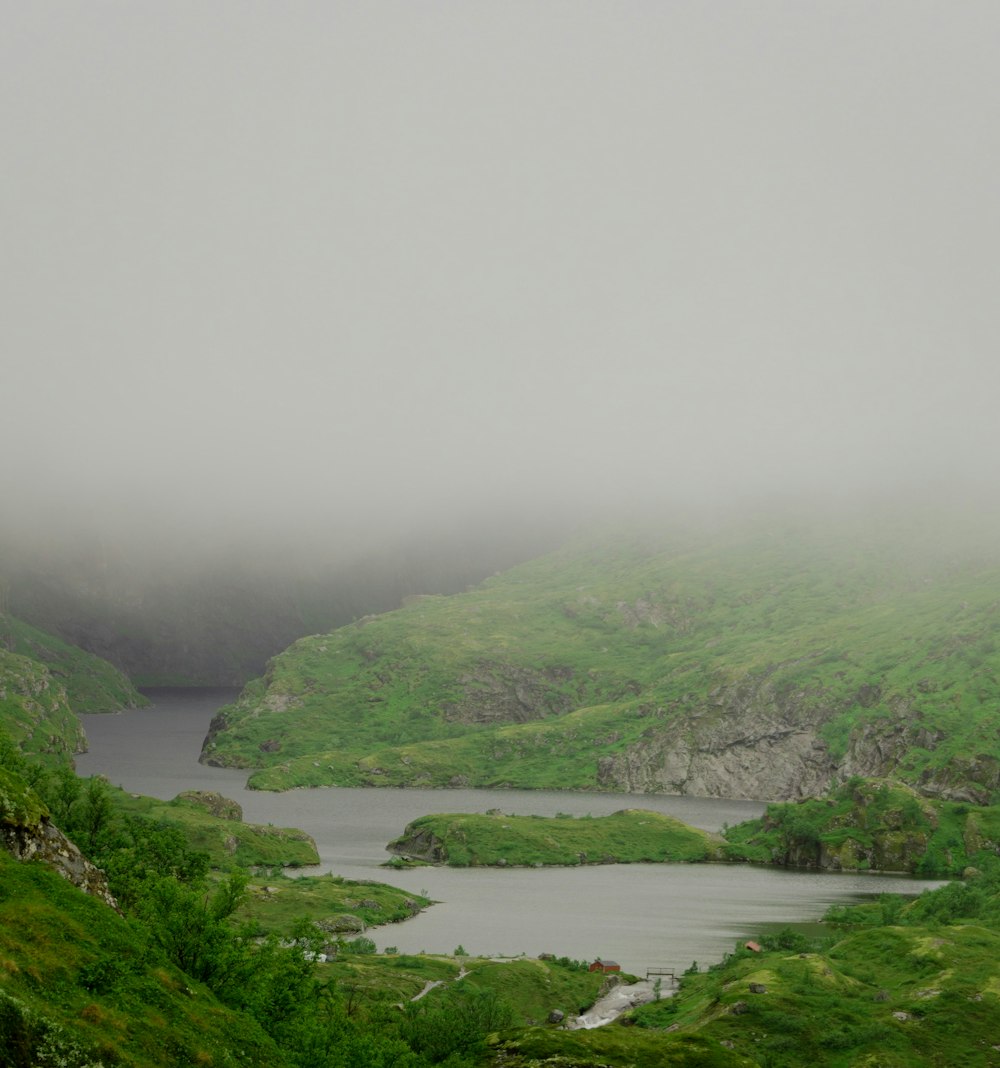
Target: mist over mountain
[408,267]
[307,309]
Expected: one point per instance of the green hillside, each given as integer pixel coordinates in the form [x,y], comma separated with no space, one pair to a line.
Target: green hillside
[91,684]
[45,683]
[871,825]
[896,984]
[35,711]
[767,664]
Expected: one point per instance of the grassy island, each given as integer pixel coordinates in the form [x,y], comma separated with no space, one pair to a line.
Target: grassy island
[496,840]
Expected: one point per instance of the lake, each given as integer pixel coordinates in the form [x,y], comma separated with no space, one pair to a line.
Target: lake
[642,915]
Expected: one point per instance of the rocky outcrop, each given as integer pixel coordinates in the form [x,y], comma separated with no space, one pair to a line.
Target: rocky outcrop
[417,843]
[46,843]
[748,740]
[880,746]
[506,693]
[27,833]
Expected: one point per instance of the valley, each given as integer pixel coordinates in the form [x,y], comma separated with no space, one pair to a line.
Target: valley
[786,716]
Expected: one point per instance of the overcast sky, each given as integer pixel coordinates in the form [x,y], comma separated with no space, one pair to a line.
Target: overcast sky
[294,259]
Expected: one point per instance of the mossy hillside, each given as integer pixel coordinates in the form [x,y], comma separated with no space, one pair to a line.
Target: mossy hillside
[531,987]
[376,979]
[534,987]
[20,806]
[919,985]
[35,712]
[45,683]
[629,836]
[91,684]
[74,981]
[547,755]
[226,841]
[609,1047]
[276,903]
[848,638]
[871,825]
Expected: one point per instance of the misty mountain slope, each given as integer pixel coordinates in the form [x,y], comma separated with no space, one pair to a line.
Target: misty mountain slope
[765,664]
[92,684]
[44,683]
[206,611]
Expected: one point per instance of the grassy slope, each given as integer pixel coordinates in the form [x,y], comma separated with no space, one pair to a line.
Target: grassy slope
[35,712]
[871,825]
[608,643]
[895,997]
[628,836]
[91,684]
[532,987]
[896,984]
[226,841]
[74,983]
[275,902]
[70,967]
[45,683]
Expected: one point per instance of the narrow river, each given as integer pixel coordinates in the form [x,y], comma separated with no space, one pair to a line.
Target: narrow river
[642,915]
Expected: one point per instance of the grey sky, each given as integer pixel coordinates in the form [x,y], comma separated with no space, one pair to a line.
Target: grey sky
[291,259]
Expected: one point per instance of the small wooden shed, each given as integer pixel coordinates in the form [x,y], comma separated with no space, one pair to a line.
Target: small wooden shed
[605,966]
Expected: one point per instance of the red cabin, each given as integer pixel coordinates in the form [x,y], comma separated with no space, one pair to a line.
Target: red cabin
[605,966]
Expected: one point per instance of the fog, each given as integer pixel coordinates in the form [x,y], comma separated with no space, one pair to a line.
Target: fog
[351,267]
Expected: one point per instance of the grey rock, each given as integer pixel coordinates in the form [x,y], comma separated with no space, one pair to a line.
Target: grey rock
[46,843]
[343,923]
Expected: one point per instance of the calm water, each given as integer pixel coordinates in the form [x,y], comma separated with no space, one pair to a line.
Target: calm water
[643,915]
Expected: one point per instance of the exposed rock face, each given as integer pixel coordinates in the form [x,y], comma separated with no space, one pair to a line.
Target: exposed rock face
[27,833]
[505,693]
[45,842]
[877,750]
[420,844]
[748,741]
